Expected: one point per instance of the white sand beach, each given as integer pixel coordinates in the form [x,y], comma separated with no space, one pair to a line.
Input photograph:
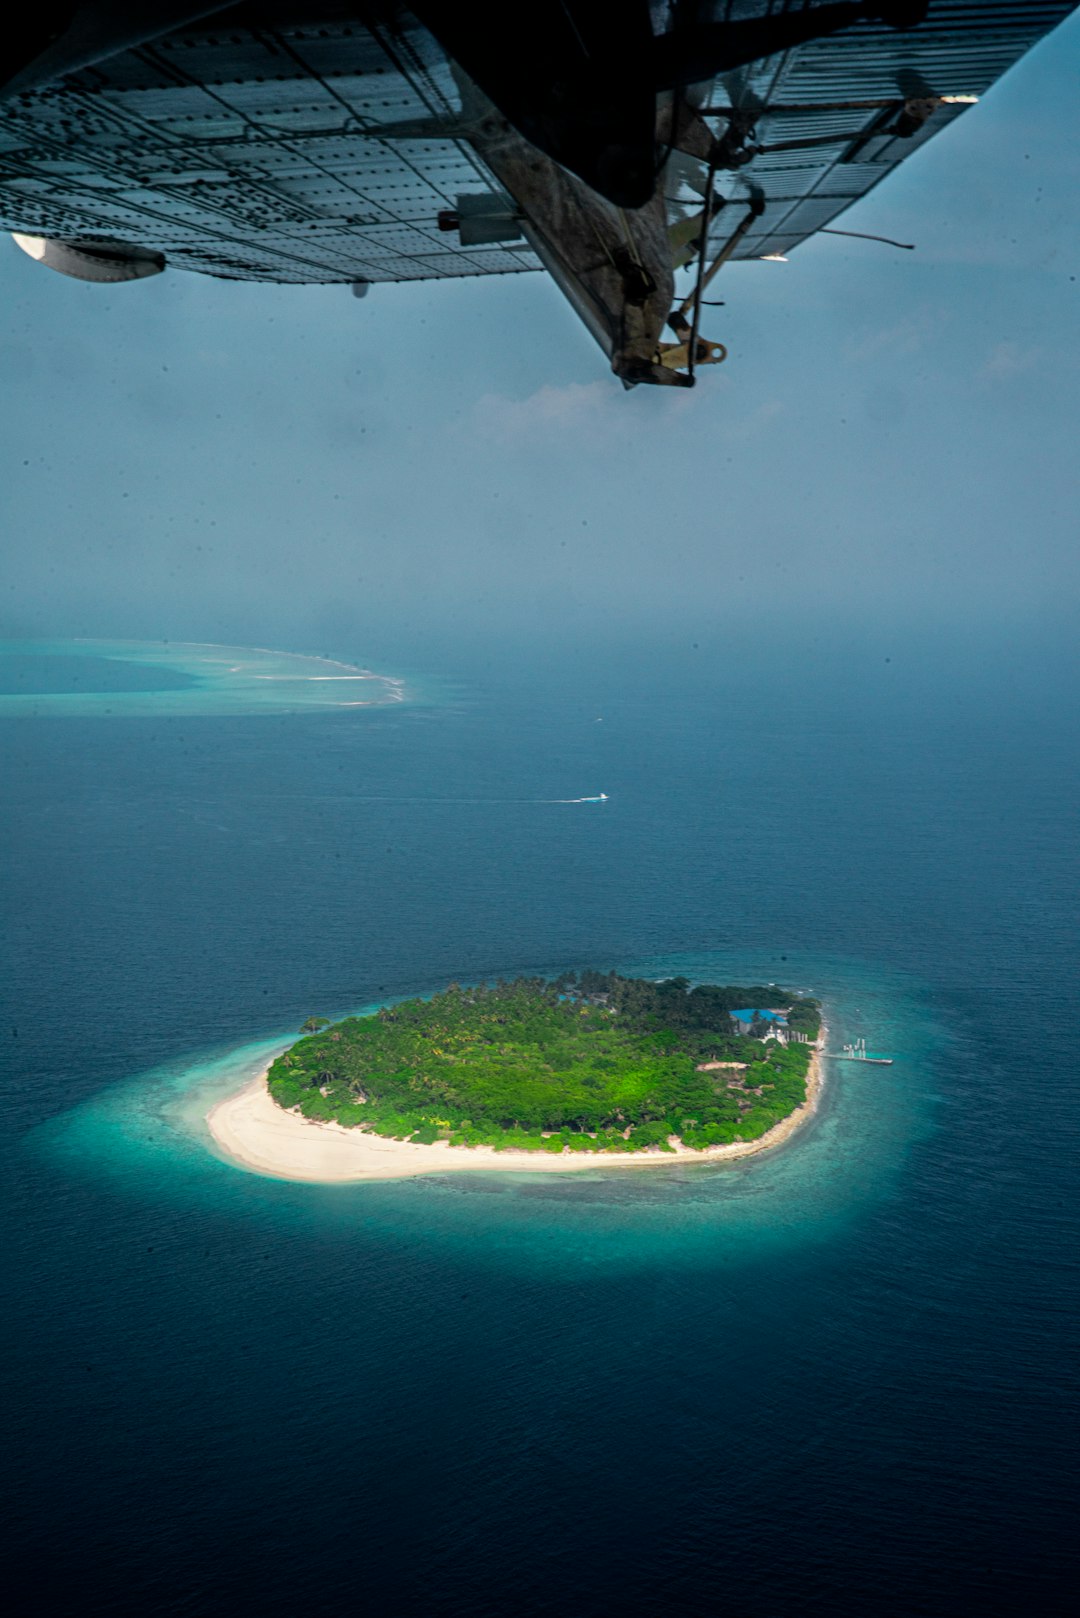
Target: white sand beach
[253,1131]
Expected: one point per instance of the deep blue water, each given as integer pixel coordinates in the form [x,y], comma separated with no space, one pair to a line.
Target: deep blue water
[840,1379]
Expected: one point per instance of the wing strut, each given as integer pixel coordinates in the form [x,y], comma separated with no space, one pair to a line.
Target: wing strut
[755,211]
[691,350]
[700,284]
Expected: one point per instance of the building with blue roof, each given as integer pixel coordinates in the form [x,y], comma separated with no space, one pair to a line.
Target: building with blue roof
[777,1021]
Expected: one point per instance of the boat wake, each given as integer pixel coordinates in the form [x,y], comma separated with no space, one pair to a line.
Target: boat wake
[601,797]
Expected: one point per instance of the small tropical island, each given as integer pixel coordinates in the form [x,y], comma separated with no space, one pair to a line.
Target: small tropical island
[586,1069]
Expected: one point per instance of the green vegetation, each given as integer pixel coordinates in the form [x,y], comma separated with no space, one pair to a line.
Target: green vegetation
[589,1062]
[314,1024]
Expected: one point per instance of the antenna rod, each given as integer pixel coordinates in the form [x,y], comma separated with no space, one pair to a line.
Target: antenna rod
[826,230]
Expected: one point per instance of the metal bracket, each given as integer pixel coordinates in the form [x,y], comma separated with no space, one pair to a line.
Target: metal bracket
[490,217]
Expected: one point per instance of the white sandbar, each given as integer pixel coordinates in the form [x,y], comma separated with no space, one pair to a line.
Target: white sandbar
[254,1132]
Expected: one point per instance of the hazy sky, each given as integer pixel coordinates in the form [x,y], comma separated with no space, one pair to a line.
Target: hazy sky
[894,435]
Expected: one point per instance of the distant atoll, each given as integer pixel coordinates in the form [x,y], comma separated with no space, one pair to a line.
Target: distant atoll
[588,1067]
[195,678]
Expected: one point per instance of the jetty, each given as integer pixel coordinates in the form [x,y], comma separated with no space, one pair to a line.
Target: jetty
[857,1053]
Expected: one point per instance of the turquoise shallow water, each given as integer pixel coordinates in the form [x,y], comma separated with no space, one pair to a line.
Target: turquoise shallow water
[836,1379]
[148,1136]
[177,679]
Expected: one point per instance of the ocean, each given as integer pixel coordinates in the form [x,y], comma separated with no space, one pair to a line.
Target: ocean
[839,1379]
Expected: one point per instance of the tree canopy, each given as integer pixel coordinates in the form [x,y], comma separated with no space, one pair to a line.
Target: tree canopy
[588,1061]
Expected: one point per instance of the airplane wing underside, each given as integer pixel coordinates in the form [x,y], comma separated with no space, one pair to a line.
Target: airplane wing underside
[255,147]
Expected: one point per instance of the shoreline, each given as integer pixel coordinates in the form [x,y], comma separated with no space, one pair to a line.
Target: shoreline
[252,1132]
